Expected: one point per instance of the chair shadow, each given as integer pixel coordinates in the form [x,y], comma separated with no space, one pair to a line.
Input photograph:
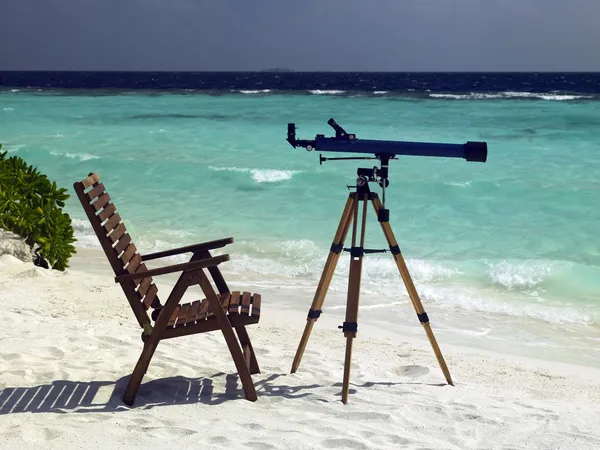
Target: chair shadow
[63,396]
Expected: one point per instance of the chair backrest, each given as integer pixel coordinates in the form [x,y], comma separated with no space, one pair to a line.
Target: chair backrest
[117,245]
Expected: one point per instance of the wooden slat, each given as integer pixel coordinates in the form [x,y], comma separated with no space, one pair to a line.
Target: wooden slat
[203,312]
[98,207]
[246,296]
[191,317]
[144,285]
[256,305]
[225,298]
[174,316]
[207,325]
[90,180]
[128,254]
[108,211]
[134,263]
[112,223]
[185,309]
[95,192]
[150,296]
[122,244]
[101,202]
[117,233]
[234,303]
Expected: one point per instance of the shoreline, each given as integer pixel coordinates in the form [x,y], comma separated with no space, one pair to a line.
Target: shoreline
[460,329]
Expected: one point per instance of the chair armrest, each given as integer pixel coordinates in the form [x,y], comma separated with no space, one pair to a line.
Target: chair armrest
[198,264]
[203,246]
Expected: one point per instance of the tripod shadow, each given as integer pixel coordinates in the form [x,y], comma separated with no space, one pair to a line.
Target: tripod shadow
[63,396]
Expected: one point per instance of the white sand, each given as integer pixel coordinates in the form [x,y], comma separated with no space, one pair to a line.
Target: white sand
[69,343]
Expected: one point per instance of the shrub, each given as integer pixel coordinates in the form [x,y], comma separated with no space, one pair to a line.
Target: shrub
[31,207]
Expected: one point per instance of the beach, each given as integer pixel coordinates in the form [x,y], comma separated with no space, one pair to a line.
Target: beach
[73,341]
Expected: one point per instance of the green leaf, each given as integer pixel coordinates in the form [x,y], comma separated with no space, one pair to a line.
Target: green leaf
[31,206]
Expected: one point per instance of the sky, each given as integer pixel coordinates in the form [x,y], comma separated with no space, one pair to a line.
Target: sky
[304,35]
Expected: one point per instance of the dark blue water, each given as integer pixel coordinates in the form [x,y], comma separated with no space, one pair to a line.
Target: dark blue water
[400,83]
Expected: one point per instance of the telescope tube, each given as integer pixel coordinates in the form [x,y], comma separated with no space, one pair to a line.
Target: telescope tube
[470,151]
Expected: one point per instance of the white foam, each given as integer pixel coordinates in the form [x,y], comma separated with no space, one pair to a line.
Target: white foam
[559,97]
[271,176]
[380,92]
[518,275]
[255,91]
[440,284]
[260,175]
[84,234]
[13,148]
[459,183]
[81,156]
[8,109]
[463,298]
[510,94]
[503,287]
[325,91]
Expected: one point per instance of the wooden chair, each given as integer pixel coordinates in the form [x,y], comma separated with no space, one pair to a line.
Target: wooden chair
[225,311]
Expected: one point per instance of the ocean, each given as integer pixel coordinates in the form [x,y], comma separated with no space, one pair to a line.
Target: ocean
[506,252]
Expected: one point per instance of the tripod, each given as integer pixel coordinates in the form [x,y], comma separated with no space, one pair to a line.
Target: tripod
[350,216]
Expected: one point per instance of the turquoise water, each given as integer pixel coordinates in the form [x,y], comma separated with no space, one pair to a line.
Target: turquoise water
[516,236]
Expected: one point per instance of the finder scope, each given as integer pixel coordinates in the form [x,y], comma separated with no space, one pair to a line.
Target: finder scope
[344,142]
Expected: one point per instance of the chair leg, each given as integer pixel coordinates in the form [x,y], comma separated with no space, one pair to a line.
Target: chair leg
[238,358]
[234,346]
[138,373]
[248,350]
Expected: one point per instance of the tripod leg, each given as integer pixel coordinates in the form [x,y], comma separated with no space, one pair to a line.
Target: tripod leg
[412,291]
[327,274]
[350,326]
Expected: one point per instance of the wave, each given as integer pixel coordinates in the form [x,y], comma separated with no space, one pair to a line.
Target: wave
[510,95]
[459,183]
[400,94]
[557,292]
[12,148]
[325,91]
[81,156]
[254,91]
[260,175]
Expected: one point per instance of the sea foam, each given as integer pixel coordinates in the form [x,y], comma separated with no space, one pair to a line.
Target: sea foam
[260,175]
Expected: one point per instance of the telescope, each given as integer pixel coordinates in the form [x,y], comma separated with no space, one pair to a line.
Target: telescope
[344,142]
[354,217]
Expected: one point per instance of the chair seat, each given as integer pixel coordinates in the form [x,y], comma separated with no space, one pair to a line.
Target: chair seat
[242,307]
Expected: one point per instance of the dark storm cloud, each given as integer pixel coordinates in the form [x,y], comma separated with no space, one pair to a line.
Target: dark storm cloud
[302,35]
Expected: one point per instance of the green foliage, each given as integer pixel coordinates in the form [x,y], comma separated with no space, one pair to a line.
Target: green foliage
[31,206]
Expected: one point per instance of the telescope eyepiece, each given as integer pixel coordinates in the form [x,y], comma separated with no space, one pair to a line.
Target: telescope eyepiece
[291,134]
